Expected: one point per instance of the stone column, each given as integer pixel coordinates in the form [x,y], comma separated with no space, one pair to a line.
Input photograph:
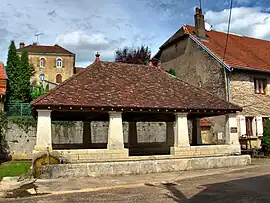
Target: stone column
[232,137]
[181,137]
[132,134]
[196,132]
[87,134]
[44,131]
[115,133]
[170,133]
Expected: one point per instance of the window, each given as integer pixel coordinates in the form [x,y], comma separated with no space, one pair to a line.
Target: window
[42,62]
[59,63]
[260,86]
[58,78]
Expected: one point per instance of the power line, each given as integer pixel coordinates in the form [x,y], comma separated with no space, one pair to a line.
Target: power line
[228,31]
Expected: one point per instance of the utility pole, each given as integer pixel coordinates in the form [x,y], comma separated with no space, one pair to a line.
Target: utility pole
[37,35]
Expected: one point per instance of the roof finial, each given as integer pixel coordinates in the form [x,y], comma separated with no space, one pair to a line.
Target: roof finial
[97,57]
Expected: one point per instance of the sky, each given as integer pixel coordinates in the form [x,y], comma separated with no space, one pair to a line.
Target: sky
[87,26]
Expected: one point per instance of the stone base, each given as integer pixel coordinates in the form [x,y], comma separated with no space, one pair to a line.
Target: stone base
[205,150]
[141,166]
[88,155]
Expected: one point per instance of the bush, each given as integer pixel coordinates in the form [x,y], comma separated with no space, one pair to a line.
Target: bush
[266,136]
[171,71]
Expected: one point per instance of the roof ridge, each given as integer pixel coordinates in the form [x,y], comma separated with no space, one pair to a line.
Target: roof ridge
[63,83]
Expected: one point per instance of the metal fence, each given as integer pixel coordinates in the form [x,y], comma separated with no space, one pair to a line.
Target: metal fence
[18,109]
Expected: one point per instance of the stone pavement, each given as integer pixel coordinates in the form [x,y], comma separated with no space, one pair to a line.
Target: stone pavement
[246,184]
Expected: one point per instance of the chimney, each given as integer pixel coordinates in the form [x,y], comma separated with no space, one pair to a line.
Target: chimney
[21,45]
[199,23]
[97,57]
[35,43]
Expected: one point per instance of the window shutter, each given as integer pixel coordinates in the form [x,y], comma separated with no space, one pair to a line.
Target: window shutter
[243,125]
[259,126]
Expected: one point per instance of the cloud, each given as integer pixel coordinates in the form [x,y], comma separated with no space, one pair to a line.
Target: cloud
[86,45]
[252,22]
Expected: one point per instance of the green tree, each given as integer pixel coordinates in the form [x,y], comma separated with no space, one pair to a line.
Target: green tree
[266,136]
[25,72]
[141,55]
[37,91]
[12,73]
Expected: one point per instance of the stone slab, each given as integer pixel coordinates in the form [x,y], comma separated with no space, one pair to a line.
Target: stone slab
[141,166]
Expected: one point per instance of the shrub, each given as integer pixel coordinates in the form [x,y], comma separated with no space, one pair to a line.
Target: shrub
[266,136]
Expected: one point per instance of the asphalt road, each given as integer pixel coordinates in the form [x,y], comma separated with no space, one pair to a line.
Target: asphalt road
[248,185]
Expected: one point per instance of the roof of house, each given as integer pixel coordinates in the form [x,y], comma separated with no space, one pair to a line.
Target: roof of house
[3,76]
[56,49]
[79,69]
[241,52]
[111,84]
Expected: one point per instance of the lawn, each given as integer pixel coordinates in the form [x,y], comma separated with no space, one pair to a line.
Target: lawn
[14,168]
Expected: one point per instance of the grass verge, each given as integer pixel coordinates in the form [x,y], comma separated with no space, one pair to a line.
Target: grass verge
[14,168]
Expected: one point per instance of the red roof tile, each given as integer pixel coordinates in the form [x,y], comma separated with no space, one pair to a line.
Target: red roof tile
[241,52]
[109,84]
[2,72]
[45,49]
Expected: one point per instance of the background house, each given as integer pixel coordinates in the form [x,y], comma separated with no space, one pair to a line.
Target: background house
[3,85]
[55,62]
[240,75]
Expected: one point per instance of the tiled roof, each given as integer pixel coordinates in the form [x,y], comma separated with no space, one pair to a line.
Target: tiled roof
[110,84]
[2,72]
[241,52]
[205,123]
[56,49]
[3,78]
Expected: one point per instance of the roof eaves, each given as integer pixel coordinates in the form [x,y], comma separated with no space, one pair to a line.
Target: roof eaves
[210,52]
[250,69]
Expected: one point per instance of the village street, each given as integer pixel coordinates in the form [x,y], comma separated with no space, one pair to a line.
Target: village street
[248,184]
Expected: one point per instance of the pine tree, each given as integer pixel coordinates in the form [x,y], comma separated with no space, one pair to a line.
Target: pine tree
[12,66]
[25,71]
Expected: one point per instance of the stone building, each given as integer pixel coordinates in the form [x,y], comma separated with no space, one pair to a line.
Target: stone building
[55,63]
[3,85]
[236,70]
[116,93]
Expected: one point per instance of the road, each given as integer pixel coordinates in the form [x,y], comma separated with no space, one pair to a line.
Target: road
[246,185]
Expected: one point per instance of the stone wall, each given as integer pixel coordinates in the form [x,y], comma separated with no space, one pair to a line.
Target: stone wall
[21,143]
[243,94]
[197,67]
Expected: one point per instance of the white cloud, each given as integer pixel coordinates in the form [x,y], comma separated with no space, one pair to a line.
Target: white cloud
[252,22]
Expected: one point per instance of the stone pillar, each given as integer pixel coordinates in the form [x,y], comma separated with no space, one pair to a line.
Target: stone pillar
[181,137]
[196,132]
[170,133]
[132,134]
[115,132]
[232,137]
[87,134]
[44,131]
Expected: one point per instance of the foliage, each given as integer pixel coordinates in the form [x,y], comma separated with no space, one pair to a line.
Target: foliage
[141,55]
[19,72]
[3,129]
[14,168]
[171,71]
[12,73]
[37,91]
[266,136]
[24,122]
[25,71]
